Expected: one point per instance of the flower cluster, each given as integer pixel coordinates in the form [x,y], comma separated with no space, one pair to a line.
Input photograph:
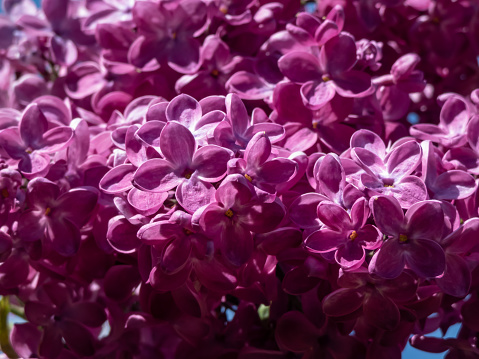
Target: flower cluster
[238,179]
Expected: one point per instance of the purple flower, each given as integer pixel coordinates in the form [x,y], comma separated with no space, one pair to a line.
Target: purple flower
[411,238]
[378,297]
[347,236]
[453,120]
[258,168]
[56,218]
[332,73]
[33,140]
[184,166]
[167,34]
[389,174]
[236,213]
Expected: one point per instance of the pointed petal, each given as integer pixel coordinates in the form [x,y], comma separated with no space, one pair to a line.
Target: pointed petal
[258,150]
[194,193]
[185,110]
[177,144]
[324,240]
[426,258]
[237,244]
[388,215]
[210,162]
[404,159]
[118,179]
[294,332]
[317,94]
[299,66]
[156,175]
[389,261]
[342,302]
[32,126]
[334,216]
[454,184]
[456,280]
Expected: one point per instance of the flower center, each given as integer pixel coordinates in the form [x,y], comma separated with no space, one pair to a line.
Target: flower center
[388,182]
[215,73]
[187,231]
[353,235]
[224,9]
[326,78]
[48,211]
[187,174]
[229,213]
[248,177]
[402,238]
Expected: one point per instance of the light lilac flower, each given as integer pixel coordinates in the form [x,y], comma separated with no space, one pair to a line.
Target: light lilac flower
[345,235]
[184,166]
[33,140]
[389,174]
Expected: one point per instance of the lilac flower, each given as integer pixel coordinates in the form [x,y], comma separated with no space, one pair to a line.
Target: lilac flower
[189,169]
[239,129]
[56,218]
[167,34]
[379,298]
[388,174]
[62,318]
[257,168]
[331,74]
[442,184]
[347,236]
[451,131]
[216,66]
[235,214]
[412,238]
[33,140]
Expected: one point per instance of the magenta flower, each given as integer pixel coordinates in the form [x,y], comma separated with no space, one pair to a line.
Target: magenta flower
[56,218]
[184,166]
[330,74]
[167,34]
[258,168]
[64,319]
[33,141]
[378,298]
[236,213]
[453,120]
[411,238]
[347,236]
[389,174]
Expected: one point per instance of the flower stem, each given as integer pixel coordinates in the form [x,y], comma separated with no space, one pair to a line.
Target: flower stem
[4,330]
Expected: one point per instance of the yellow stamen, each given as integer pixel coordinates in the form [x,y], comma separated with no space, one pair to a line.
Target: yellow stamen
[326,78]
[47,211]
[173,35]
[353,235]
[215,73]
[388,185]
[229,213]
[402,238]
[188,175]
[224,9]
[315,125]
[187,231]
[248,177]
[5,193]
